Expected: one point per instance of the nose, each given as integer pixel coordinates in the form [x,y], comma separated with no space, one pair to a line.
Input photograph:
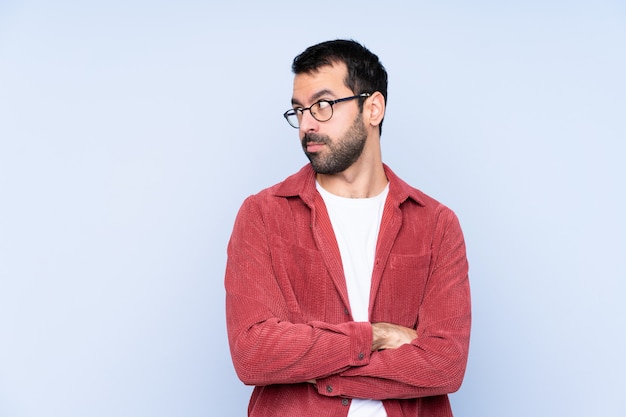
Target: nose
[308,122]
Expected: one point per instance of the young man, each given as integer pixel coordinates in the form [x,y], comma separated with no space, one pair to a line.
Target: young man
[346,289]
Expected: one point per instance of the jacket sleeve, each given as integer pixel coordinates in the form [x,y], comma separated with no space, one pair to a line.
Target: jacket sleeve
[266,347]
[434,363]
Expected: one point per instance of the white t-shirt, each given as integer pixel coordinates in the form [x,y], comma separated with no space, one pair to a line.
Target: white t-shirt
[356,222]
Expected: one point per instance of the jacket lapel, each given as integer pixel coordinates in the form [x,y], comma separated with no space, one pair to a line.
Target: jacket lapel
[389,227]
[327,243]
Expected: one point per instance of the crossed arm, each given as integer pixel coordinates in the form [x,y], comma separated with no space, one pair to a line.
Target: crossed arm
[388,336]
[352,359]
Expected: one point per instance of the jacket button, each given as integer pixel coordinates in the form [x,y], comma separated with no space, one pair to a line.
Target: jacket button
[345,401]
[361,356]
[345,310]
[329,388]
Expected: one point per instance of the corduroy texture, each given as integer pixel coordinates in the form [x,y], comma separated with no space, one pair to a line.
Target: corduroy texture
[288,314]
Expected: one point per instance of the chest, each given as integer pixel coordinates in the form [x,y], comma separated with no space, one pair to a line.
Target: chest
[307,264]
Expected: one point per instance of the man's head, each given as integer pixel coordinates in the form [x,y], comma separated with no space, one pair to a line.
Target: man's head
[338,105]
[365,73]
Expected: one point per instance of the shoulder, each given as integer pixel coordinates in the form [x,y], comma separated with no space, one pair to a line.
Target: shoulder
[300,185]
[414,202]
[401,191]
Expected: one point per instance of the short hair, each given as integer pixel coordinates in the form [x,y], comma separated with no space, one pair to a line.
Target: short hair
[366,73]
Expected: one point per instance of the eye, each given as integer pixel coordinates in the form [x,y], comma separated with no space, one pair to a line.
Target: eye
[323,104]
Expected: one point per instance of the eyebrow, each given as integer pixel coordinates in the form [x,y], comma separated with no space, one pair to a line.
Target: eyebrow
[315,96]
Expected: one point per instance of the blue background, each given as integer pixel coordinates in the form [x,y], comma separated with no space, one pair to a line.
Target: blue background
[131,131]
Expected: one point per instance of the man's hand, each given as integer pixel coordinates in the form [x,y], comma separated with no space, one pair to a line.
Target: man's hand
[390,336]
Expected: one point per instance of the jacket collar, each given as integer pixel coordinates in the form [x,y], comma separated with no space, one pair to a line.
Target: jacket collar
[302,184]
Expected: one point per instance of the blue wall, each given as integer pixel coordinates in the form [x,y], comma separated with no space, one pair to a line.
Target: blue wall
[131,131]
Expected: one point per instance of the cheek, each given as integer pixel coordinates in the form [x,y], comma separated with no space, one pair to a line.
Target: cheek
[337,126]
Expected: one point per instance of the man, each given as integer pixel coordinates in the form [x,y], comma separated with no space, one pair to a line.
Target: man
[346,289]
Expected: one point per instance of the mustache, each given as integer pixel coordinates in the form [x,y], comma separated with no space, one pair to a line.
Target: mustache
[314,138]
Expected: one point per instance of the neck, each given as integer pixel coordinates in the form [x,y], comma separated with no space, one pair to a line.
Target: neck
[361,180]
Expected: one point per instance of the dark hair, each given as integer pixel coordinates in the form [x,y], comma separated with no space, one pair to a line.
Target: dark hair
[366,73]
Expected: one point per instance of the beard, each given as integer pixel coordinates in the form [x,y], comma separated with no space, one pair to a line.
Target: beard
[341,153]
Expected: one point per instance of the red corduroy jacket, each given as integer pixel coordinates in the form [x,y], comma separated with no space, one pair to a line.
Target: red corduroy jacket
[289,319]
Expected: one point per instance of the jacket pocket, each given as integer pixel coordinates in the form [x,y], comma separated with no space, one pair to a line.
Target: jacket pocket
[401,289]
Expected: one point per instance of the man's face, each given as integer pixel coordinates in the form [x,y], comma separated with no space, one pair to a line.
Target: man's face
[331,146]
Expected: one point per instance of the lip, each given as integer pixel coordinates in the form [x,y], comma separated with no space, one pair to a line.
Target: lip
[314,146]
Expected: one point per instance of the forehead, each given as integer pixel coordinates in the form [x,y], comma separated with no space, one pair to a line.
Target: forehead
[326,80]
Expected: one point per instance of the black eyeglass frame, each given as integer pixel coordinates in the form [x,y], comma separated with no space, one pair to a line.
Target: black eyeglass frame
[294,112]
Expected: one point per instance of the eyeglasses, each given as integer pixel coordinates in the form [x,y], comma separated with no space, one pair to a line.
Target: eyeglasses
[321,111]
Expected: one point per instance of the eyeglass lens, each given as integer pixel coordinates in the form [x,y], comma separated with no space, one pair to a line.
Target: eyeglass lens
[321,111]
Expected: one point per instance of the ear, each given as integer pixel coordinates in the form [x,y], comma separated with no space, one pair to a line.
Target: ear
[375,108]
